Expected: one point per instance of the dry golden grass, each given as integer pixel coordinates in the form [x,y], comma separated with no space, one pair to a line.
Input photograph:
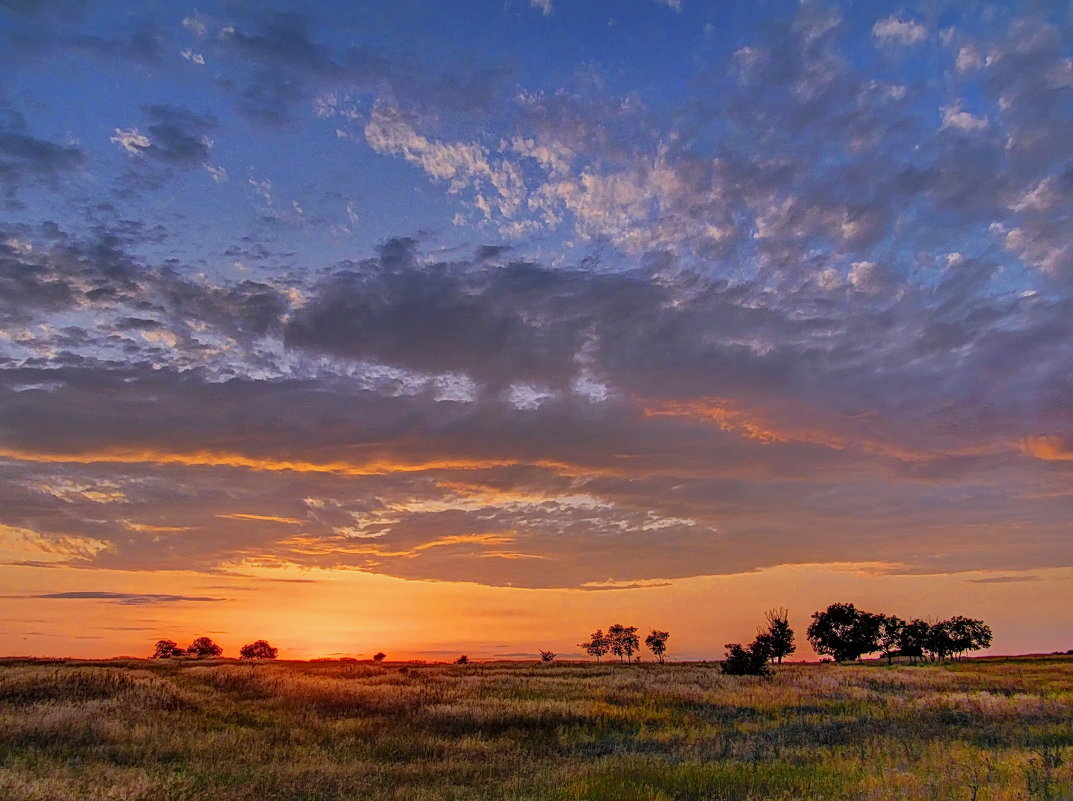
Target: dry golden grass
[985,730]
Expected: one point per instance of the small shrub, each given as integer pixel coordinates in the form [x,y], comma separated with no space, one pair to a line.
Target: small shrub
[745,661]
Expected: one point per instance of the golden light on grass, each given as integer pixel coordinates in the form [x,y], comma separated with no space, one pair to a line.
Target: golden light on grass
[556,732]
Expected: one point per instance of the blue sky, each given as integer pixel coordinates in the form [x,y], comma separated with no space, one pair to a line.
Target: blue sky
[537,294]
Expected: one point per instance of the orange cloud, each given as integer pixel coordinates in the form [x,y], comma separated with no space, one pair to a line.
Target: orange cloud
[319,547]
[732,418]
[264,518]
[458,539]
[1049,449]
[511,555]
[375,467]
[146,528]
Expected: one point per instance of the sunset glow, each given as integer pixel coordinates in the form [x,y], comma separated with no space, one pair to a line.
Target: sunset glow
[439,328]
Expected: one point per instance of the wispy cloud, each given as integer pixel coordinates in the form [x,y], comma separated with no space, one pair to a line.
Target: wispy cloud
[125,598]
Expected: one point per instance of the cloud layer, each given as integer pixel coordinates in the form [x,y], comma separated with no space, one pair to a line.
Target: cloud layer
[307,298]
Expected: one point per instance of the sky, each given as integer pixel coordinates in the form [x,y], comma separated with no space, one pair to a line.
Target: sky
[432,327]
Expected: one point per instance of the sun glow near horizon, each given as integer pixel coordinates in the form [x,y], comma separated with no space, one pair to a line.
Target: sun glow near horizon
[311,614]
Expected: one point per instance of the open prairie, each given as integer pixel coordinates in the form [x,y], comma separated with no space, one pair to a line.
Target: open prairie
[985,729]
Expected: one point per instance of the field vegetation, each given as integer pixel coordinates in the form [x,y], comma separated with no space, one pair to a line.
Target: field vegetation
[980,730]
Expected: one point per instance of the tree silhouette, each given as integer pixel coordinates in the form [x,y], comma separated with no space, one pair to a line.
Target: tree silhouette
[623,641]
[742,661]
[891,633]
[967,634]
[778,637]
[258,650]
[379,657]
[166,649]
[844,632]
[547,656]
[597,645]
[940,641]
[657,643]
[913,639]
[462,660]
[204,646]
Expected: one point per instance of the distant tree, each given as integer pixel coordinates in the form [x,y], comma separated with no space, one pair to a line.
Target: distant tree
[939,641]
[597,645]
[953,638]
[778,637]
[657,644]
[967,634]
[913,639]
[547,656]
[166,649]
[745,661]
[982,635]
[462,660]
[624,641]
[764,642]
[891,629]
[844,632]
[379,657]
[204,646]
[258,650]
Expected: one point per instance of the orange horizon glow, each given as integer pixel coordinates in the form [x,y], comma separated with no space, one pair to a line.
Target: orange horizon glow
[332,613]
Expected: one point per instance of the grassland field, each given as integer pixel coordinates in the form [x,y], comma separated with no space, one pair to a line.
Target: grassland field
[134,730]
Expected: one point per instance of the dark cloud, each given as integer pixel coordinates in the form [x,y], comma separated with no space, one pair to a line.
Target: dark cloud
[178,135]
[285,63]
[35,8]
[143,44]
[125,598]
[1004,579]
[99,276]
[24,156]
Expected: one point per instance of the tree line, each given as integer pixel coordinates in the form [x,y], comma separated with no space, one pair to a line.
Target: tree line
[841,632]
[205,648]
[845,633]
[624,642]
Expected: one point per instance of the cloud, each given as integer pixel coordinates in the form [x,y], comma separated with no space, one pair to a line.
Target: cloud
[25,157]
[175,136]
[899,31]
[686,336]
[954,117]
[290,521]
[969,58]
[1004,579]
[1048,448]
[131,140]
[544,6]
[126,598]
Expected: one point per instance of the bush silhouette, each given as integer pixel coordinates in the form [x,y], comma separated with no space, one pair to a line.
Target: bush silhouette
[742,661]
